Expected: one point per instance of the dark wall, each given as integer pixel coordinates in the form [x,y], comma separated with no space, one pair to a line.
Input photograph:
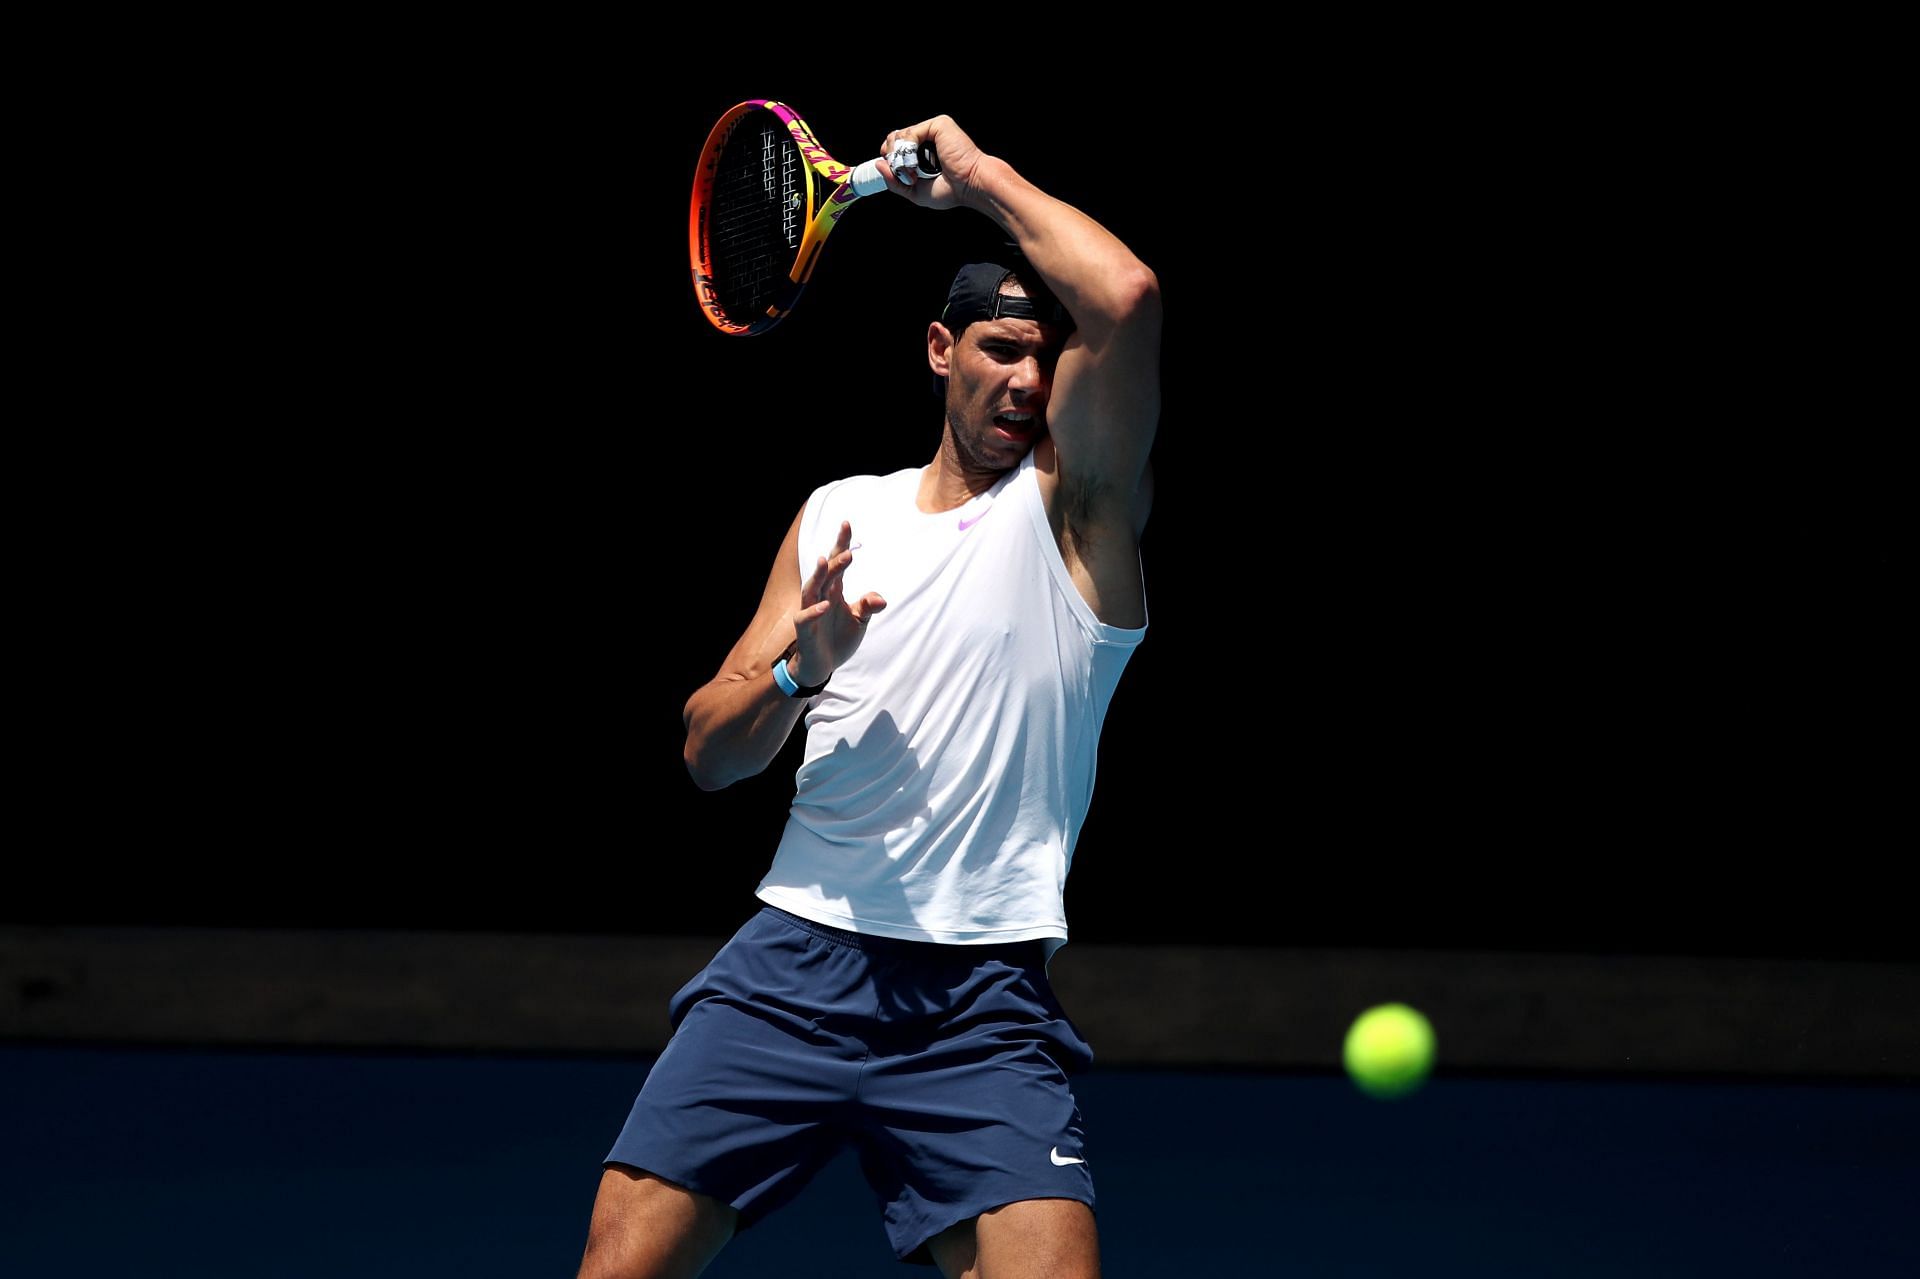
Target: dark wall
[1474,623]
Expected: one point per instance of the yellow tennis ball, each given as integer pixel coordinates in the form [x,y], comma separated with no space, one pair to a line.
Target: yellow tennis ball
[1389,1050]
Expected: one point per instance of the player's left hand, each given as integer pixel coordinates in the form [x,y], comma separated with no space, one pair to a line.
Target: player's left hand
[959,161]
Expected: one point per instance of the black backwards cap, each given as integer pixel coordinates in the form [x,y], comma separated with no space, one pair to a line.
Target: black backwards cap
[976,295]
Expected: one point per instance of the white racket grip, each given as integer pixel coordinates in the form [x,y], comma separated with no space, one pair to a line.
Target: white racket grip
[867,178]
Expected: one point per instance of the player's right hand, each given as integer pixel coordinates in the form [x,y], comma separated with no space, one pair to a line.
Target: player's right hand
[827,626]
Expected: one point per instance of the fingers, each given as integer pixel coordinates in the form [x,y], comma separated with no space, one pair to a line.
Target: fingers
[816,584]
[866,606]
[938,133]
[899,181]
[918,134]
[896,164]
[836,563]
[901,153]
[829,570]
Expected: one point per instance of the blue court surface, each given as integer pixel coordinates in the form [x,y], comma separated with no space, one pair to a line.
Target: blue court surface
[157,1162]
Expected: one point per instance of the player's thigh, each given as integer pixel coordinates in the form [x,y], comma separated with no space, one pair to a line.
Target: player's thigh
[645,1227]
[1031,1239]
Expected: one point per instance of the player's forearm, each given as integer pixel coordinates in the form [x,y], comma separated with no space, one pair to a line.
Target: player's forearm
[735,728]
[1096,277]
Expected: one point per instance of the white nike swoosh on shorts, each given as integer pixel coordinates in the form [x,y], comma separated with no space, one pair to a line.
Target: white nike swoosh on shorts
[1057,1158]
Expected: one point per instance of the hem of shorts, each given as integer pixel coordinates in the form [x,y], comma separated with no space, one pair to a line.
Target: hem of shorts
[949,937]
[696,1185]
[925,1231]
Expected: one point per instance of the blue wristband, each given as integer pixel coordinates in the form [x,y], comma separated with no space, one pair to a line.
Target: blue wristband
[784,680]
[789,686]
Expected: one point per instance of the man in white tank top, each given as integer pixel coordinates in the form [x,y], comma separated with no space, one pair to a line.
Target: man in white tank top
[952,635]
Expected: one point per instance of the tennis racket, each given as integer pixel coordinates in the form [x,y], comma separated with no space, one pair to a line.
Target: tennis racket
[765,197]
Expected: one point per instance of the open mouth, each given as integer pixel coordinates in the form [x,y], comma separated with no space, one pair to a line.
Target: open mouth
[1019,423]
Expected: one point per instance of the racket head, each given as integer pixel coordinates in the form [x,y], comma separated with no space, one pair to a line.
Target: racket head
[766,195]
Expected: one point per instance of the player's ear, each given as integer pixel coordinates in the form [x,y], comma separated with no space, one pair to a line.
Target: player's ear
[939,348]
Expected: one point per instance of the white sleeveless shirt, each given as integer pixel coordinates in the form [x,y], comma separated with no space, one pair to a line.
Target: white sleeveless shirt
[950,762]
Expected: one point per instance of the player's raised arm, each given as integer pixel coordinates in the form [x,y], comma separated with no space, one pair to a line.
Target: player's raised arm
[1105,401]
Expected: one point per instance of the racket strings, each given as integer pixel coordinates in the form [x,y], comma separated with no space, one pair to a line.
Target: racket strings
[759,208]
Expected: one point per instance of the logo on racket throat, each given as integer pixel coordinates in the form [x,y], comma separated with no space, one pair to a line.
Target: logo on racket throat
[811,148]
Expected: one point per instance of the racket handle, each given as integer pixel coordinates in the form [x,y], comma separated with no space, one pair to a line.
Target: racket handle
[866,178]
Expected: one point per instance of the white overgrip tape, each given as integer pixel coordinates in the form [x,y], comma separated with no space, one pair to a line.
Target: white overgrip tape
[867,178]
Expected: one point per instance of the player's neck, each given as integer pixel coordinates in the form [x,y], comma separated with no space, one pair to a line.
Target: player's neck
[946,486]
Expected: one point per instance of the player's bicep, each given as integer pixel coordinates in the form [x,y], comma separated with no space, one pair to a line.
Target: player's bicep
[1104,406]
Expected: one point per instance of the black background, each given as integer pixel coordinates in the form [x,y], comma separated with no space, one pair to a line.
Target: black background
[1478,618]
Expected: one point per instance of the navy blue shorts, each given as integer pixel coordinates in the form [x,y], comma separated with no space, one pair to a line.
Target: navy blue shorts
[945,1066]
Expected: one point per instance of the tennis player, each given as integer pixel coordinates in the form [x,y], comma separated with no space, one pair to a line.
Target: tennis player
[951,635]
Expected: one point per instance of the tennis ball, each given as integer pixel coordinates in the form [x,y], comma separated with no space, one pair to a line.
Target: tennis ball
[1389,1050]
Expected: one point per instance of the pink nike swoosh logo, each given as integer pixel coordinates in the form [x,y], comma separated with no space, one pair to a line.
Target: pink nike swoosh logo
[967,524]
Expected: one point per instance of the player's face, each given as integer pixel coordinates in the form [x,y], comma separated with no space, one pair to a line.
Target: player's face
[997,382]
